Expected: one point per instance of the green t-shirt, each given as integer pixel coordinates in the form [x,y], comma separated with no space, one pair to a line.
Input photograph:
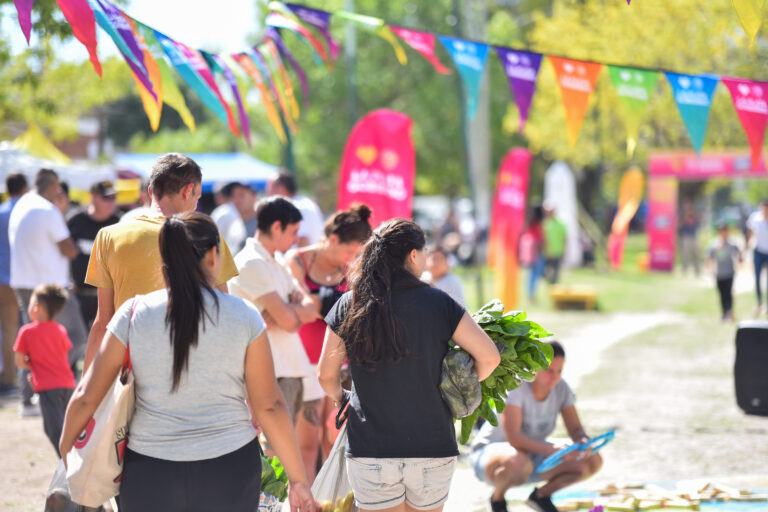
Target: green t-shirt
[555,235]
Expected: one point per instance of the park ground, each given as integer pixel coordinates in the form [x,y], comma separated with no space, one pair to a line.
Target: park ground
[655,363]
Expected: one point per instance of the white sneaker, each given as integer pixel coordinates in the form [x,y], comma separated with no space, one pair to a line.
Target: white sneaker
[29,411]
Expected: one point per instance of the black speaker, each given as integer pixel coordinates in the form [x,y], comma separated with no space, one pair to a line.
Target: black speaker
[750,372]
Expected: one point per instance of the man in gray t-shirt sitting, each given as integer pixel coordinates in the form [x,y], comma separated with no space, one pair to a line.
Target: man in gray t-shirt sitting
[507,456]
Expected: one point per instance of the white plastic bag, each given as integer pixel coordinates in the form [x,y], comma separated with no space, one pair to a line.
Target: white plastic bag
[331,487]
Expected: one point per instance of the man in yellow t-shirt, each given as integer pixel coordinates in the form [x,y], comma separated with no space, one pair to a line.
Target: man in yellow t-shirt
[125,260]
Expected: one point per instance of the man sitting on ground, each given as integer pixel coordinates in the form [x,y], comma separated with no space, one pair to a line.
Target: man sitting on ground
[508,455]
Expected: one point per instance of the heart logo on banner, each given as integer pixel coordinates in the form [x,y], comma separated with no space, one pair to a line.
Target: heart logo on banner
[568,67]
[684,82]
[626,76]
[389,159]
[744,89]
[366,154]
[512,58]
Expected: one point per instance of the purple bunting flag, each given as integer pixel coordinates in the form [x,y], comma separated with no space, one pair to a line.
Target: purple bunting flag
[521,69]
[24,8]
[321,20]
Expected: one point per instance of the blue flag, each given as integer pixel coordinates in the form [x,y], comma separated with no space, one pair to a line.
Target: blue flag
[693,95]
[469,58]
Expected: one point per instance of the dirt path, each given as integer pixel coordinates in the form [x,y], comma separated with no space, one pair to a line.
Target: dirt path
[584,344]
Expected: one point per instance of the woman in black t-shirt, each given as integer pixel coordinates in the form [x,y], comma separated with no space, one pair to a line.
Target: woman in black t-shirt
[395,331]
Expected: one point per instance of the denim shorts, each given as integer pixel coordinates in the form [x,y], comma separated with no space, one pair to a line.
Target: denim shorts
[480,457]
[385,483]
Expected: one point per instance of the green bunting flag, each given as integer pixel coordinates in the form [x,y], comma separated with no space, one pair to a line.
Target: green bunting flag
[634,87]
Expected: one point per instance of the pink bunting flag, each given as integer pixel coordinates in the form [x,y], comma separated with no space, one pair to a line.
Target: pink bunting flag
[424,43]
[750,98]
[80,16]
[24,9]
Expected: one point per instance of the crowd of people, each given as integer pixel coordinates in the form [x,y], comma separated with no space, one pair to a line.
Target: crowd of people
[244,331]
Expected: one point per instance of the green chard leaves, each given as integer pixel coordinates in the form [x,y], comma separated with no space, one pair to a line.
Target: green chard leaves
[522,355]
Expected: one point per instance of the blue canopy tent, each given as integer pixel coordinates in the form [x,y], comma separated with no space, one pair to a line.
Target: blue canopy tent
[217,168]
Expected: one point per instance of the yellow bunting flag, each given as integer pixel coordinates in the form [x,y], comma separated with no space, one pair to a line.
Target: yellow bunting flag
[750,15]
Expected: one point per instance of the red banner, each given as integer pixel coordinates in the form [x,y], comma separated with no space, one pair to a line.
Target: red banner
[750,99]
[379,165]
[661,223]
[687,165]
[507,223]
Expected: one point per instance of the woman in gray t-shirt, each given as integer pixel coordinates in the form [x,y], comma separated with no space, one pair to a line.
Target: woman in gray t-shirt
[507,456]
[196,353]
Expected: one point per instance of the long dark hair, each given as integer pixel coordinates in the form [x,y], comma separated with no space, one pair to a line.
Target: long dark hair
[184,240]
[370,330]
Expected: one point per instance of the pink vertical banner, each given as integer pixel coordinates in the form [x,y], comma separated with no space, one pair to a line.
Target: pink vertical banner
[661,223]
[24,9]
[379,165]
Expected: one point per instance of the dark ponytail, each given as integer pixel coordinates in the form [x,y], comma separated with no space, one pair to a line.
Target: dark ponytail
[370,330]
[184,241]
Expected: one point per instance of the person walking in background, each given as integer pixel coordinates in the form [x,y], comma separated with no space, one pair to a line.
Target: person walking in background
[322,270]
[41,247]
[757,227]
[439,275]
[196,353]
[311,229]
[125,260]
[395,330]
[227,217]
[507,455]
[531,245]
[267,283]
[42,347]
[689,240]
[84,224]
[723,256]
[555,239]
[16,186]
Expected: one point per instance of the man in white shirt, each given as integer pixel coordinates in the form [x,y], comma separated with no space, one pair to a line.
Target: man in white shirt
[757,226]
[282,302]
[312,220]
[228,219]
[41,248]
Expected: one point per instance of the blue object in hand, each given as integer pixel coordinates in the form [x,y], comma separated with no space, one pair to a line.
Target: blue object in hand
[596,443]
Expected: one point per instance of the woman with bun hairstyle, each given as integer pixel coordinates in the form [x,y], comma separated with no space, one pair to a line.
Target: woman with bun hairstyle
[395,330]
[197,353]
[322,270]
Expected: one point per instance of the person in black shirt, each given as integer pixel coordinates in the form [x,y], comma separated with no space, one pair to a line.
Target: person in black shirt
[83,224]
[395,330]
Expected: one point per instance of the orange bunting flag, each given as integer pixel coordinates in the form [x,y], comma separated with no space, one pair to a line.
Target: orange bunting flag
[576,80]
[248,65]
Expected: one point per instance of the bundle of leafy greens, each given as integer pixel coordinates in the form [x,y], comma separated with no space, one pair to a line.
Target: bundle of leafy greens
[522,355]
[274,481]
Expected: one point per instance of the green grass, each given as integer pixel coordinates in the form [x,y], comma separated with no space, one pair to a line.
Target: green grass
[628,289]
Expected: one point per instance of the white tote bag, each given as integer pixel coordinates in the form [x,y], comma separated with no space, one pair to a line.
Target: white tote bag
[331,486]
[95,463]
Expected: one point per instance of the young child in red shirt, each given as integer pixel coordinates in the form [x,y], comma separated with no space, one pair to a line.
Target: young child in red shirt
[42,347]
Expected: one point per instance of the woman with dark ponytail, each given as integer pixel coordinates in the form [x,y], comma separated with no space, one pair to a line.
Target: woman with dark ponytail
[197,354]
[395,330]
[322,270]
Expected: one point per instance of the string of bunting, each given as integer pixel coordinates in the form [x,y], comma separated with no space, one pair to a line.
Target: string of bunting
[153,57]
